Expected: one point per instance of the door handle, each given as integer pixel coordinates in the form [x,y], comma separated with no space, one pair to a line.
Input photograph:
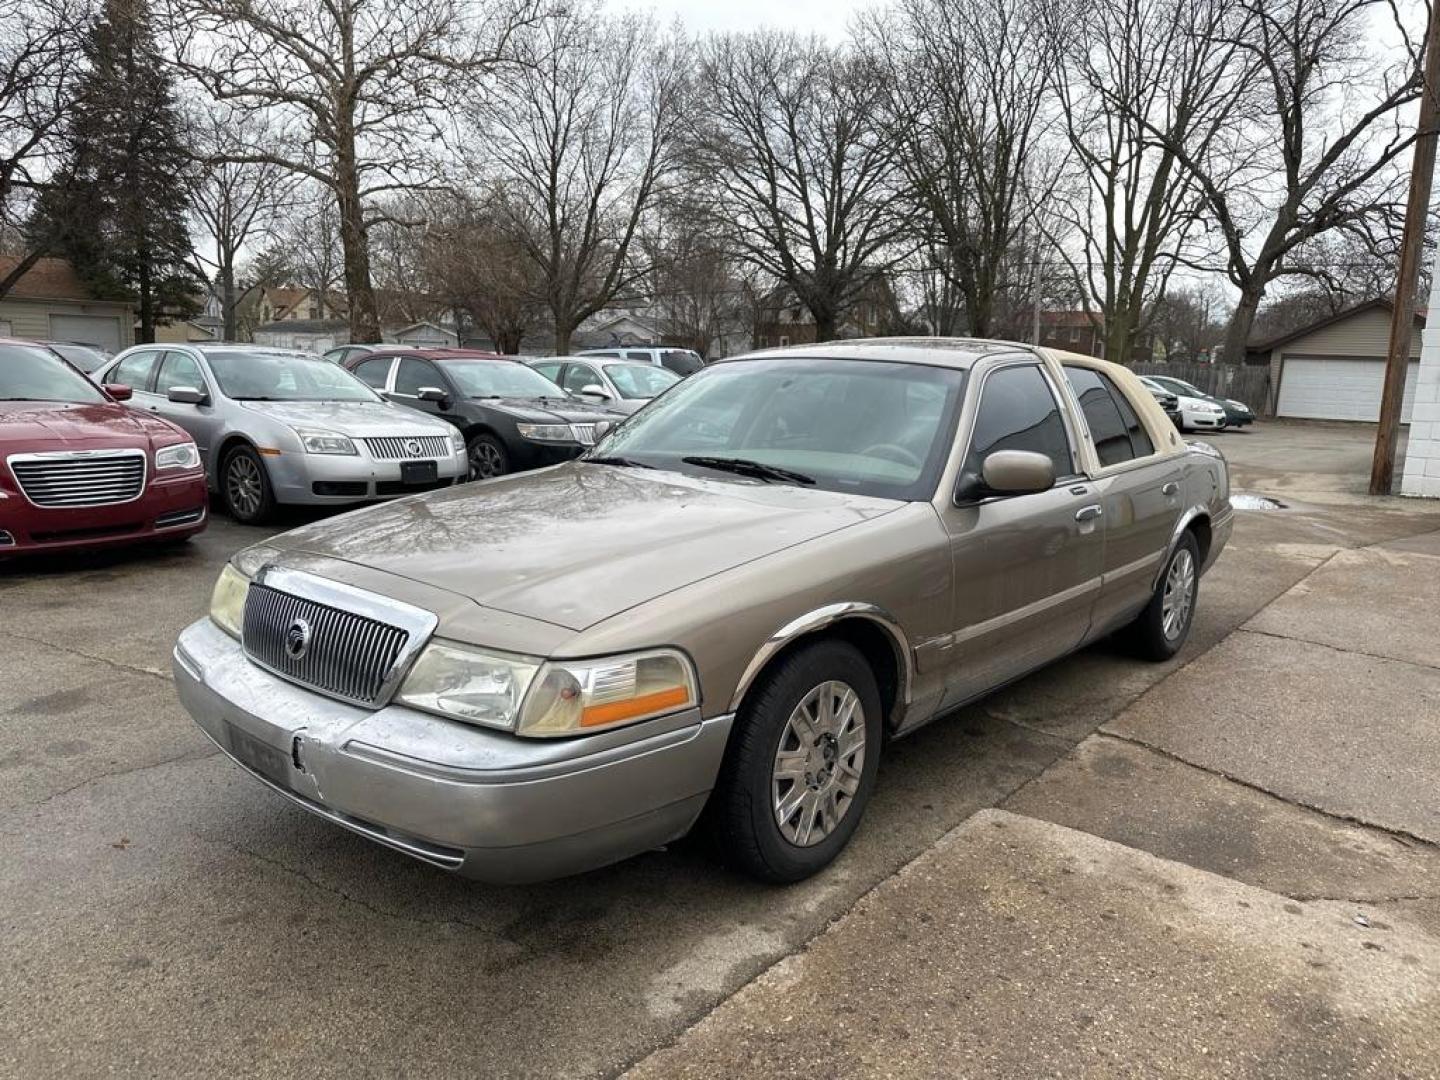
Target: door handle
[1170,488]
[1089,513]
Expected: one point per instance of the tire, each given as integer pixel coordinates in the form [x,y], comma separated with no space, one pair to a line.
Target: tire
[743,815]
[1160,631]
[487,455]
[245,487]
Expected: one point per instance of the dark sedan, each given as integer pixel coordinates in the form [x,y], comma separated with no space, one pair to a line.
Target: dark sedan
[512,416]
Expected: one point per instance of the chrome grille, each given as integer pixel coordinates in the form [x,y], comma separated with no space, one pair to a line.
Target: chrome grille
[101,478]
[584,434]
[407,447]
[346,655]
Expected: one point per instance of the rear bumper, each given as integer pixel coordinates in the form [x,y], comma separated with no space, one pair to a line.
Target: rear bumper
[483,803]
[169,509]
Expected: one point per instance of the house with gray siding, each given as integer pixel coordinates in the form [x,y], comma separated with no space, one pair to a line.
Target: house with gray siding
[50,303]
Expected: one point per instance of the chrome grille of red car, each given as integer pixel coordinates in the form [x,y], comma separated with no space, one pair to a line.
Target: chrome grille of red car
[80,479]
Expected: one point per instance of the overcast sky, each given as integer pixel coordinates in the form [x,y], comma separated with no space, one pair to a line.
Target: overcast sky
[828,17]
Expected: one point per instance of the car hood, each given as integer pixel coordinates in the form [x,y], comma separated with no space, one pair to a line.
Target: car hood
[578,543]
[27,426]
[550,410]
[358,419]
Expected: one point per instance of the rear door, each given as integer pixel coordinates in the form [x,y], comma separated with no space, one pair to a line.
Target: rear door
[1027,568]
[1140,493]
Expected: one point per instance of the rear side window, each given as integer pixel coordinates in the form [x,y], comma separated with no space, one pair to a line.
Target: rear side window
[134,371]
[1117,431]
[375,371]
[1018,411]
[681,361]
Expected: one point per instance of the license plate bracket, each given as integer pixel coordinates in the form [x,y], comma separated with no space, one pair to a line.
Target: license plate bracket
[269,762]
[419,472]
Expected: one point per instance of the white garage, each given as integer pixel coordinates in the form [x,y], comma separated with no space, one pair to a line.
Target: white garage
[99,330]
[1334,368]
[1337,388]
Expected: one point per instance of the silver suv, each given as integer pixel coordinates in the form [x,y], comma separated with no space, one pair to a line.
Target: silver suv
[682,362]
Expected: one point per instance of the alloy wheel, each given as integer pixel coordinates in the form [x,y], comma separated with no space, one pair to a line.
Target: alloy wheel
[818,764]
[1179,594]
[243,486]
[485,460]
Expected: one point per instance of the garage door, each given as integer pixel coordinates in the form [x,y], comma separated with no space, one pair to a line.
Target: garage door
[101,330]
[1326,388]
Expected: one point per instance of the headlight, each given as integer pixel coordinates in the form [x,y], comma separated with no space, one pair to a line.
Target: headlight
[179,456]
[457,441]
[546,432]
[227,601]
[324,442]
[468,684]
[572,697]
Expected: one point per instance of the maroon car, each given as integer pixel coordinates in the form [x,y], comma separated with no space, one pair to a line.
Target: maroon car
[79,470]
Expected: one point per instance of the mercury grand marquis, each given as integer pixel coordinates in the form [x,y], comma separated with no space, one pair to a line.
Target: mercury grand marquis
[718,617]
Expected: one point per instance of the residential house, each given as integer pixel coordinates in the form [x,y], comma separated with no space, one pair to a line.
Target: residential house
[1084,332]
[1334,367]
[207,326]
[288,303]
[50,302]
[781,319]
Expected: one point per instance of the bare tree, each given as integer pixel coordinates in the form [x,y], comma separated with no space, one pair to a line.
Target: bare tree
[697,289]
[1137,80]
[791,145]
[234,203]
[969,86]
[40,59]
[580,146]
[356,91]
[1319,149]
[1188,324]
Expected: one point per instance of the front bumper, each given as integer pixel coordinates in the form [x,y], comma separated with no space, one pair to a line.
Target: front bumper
[1205,421]
[484,803]
[339,479]
[169,509]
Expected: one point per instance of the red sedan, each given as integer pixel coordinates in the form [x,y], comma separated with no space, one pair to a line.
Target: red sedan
[79,470]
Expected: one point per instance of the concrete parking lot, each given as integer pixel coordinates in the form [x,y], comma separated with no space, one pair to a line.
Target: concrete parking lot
[1228,864]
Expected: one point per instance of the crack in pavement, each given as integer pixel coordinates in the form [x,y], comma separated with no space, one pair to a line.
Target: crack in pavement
[119,665]
[350,898]
[189,755]
[1306,898]
[1247,629]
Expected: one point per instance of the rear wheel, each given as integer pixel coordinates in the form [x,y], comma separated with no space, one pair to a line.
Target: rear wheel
[801,764]
[1162,628]
[487,457]
[245,487]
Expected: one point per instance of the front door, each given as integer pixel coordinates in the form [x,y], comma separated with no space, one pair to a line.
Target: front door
[1027,568]
[178,369]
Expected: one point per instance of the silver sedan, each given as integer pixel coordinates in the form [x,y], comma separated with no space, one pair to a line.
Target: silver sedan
[276,426]
[627,385]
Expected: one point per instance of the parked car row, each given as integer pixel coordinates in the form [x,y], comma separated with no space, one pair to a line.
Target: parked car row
[1197,410]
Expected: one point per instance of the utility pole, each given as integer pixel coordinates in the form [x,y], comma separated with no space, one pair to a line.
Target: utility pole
[1402,325]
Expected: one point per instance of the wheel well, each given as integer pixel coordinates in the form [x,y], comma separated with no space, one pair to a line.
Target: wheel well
[1200,526]
[230,443]
[874,644]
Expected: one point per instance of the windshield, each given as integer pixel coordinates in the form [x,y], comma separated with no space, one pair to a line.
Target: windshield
[275,376]
[859,426]
[83,357]
[637,382]
[499,378]
[32,373]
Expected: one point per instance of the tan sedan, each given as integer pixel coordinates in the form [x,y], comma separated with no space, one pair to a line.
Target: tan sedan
[719,616]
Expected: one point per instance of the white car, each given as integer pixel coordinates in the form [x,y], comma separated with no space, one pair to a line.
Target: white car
[682,362]
[1196,414]
[627,385]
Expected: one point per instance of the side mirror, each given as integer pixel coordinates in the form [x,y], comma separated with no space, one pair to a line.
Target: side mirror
[188,395]
[117,391]
[1017,472]
[595,390]
[435,394]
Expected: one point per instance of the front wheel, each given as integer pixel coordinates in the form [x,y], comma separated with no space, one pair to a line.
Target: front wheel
[245,487]
[487,457]
[800,766]
[1162,628]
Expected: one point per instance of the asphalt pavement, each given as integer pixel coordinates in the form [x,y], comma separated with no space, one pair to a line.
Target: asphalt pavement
[164,915]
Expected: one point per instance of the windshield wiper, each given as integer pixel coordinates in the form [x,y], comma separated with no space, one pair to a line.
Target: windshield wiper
[745,467]
[622,462]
